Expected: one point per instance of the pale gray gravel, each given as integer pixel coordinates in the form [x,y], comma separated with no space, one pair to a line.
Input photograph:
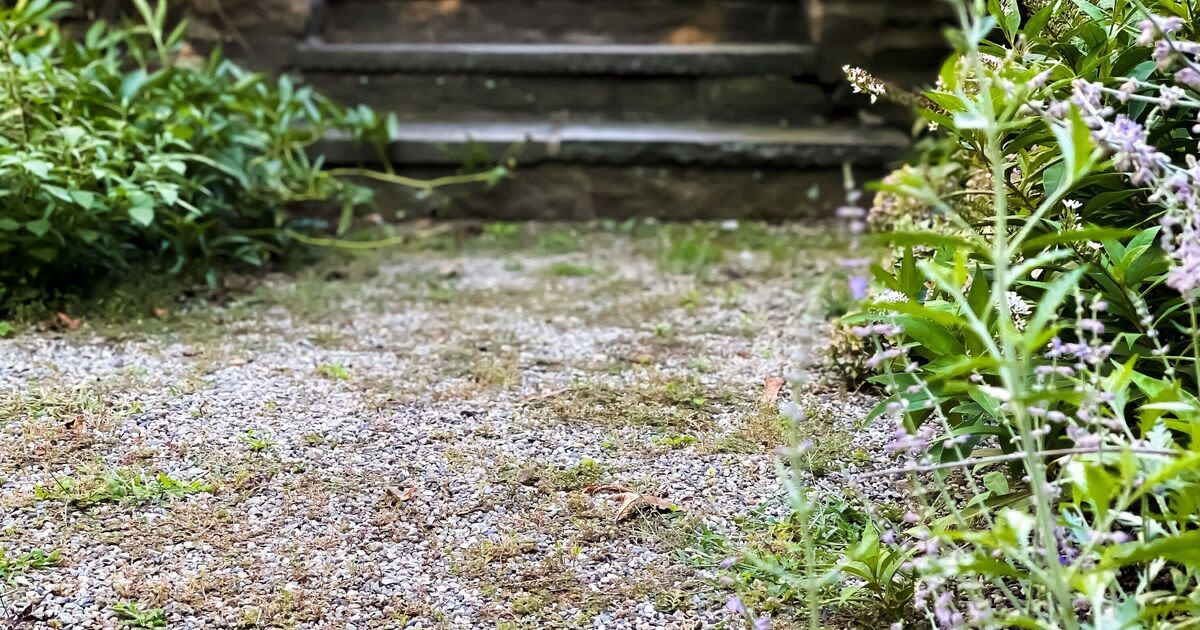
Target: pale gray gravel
[376,493]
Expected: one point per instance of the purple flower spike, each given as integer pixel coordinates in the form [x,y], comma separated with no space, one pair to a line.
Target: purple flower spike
[762,623]
[735,606]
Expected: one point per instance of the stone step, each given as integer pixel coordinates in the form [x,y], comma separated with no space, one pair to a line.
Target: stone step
[749,83]
[557,59]
[695,144]
[563,21]
[769,100]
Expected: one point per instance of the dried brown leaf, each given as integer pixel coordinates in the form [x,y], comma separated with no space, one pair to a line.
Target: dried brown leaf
[771,390]
[66,320]
[632,502]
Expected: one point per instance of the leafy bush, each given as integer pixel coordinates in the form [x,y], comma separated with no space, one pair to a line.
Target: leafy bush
[1035,329]
[124,147]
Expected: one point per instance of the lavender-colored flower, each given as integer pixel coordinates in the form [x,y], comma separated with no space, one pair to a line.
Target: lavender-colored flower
[1184,276]
[1082,438]
[1127,89]
[879,358]
[1134,154]
[1090,326]
[762,623]
[1147,32]
[1188,76]
[1086,95]
[1039,79]
[858,286]
[1151,29]
[887,330]
[735,605]
[730,561]
[1168,95]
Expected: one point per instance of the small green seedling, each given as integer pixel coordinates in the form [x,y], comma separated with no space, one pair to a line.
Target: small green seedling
[257,441]
[335,371]
[137,615]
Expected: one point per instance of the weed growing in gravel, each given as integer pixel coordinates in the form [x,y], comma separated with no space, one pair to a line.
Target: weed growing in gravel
[563,269]
[139,615]
[335,371]
[316,439]
[827,447]
[680,404]
[690,249]
[59,404]
[527,604]
[676,441]
[495,371]
[257,441]
[586,473]
[764,570]
[33,560]
[125,486]
[475,559]
[560,240]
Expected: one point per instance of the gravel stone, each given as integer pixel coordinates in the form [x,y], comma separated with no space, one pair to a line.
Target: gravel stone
[429,488]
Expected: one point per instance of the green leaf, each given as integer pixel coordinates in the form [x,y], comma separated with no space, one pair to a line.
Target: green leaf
[1183,548]
[39,168]
[1008,16]
[996,482]
[131,84]
[1052,177]
[1075,236]
[932,336]
[86,235]
[1051,300]
[84,198]
[38,227]
[57,192]
[142,215]
[926,239]
[1076,146]
[941,317]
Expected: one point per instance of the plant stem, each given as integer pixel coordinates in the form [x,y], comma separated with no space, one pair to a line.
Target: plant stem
[1011,457]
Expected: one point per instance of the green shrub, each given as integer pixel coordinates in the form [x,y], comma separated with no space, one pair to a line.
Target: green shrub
[123,148]
[1035,329]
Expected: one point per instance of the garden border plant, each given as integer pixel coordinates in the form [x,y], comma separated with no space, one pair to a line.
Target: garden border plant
[123,150]
[1035,329]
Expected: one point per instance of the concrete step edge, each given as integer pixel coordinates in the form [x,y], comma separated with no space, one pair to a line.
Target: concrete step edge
[436,143]
[560,59]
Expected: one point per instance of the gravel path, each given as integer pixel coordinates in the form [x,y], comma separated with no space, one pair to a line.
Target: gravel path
[407,447]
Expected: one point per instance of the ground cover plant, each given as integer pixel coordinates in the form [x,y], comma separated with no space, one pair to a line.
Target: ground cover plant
[1034,332]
